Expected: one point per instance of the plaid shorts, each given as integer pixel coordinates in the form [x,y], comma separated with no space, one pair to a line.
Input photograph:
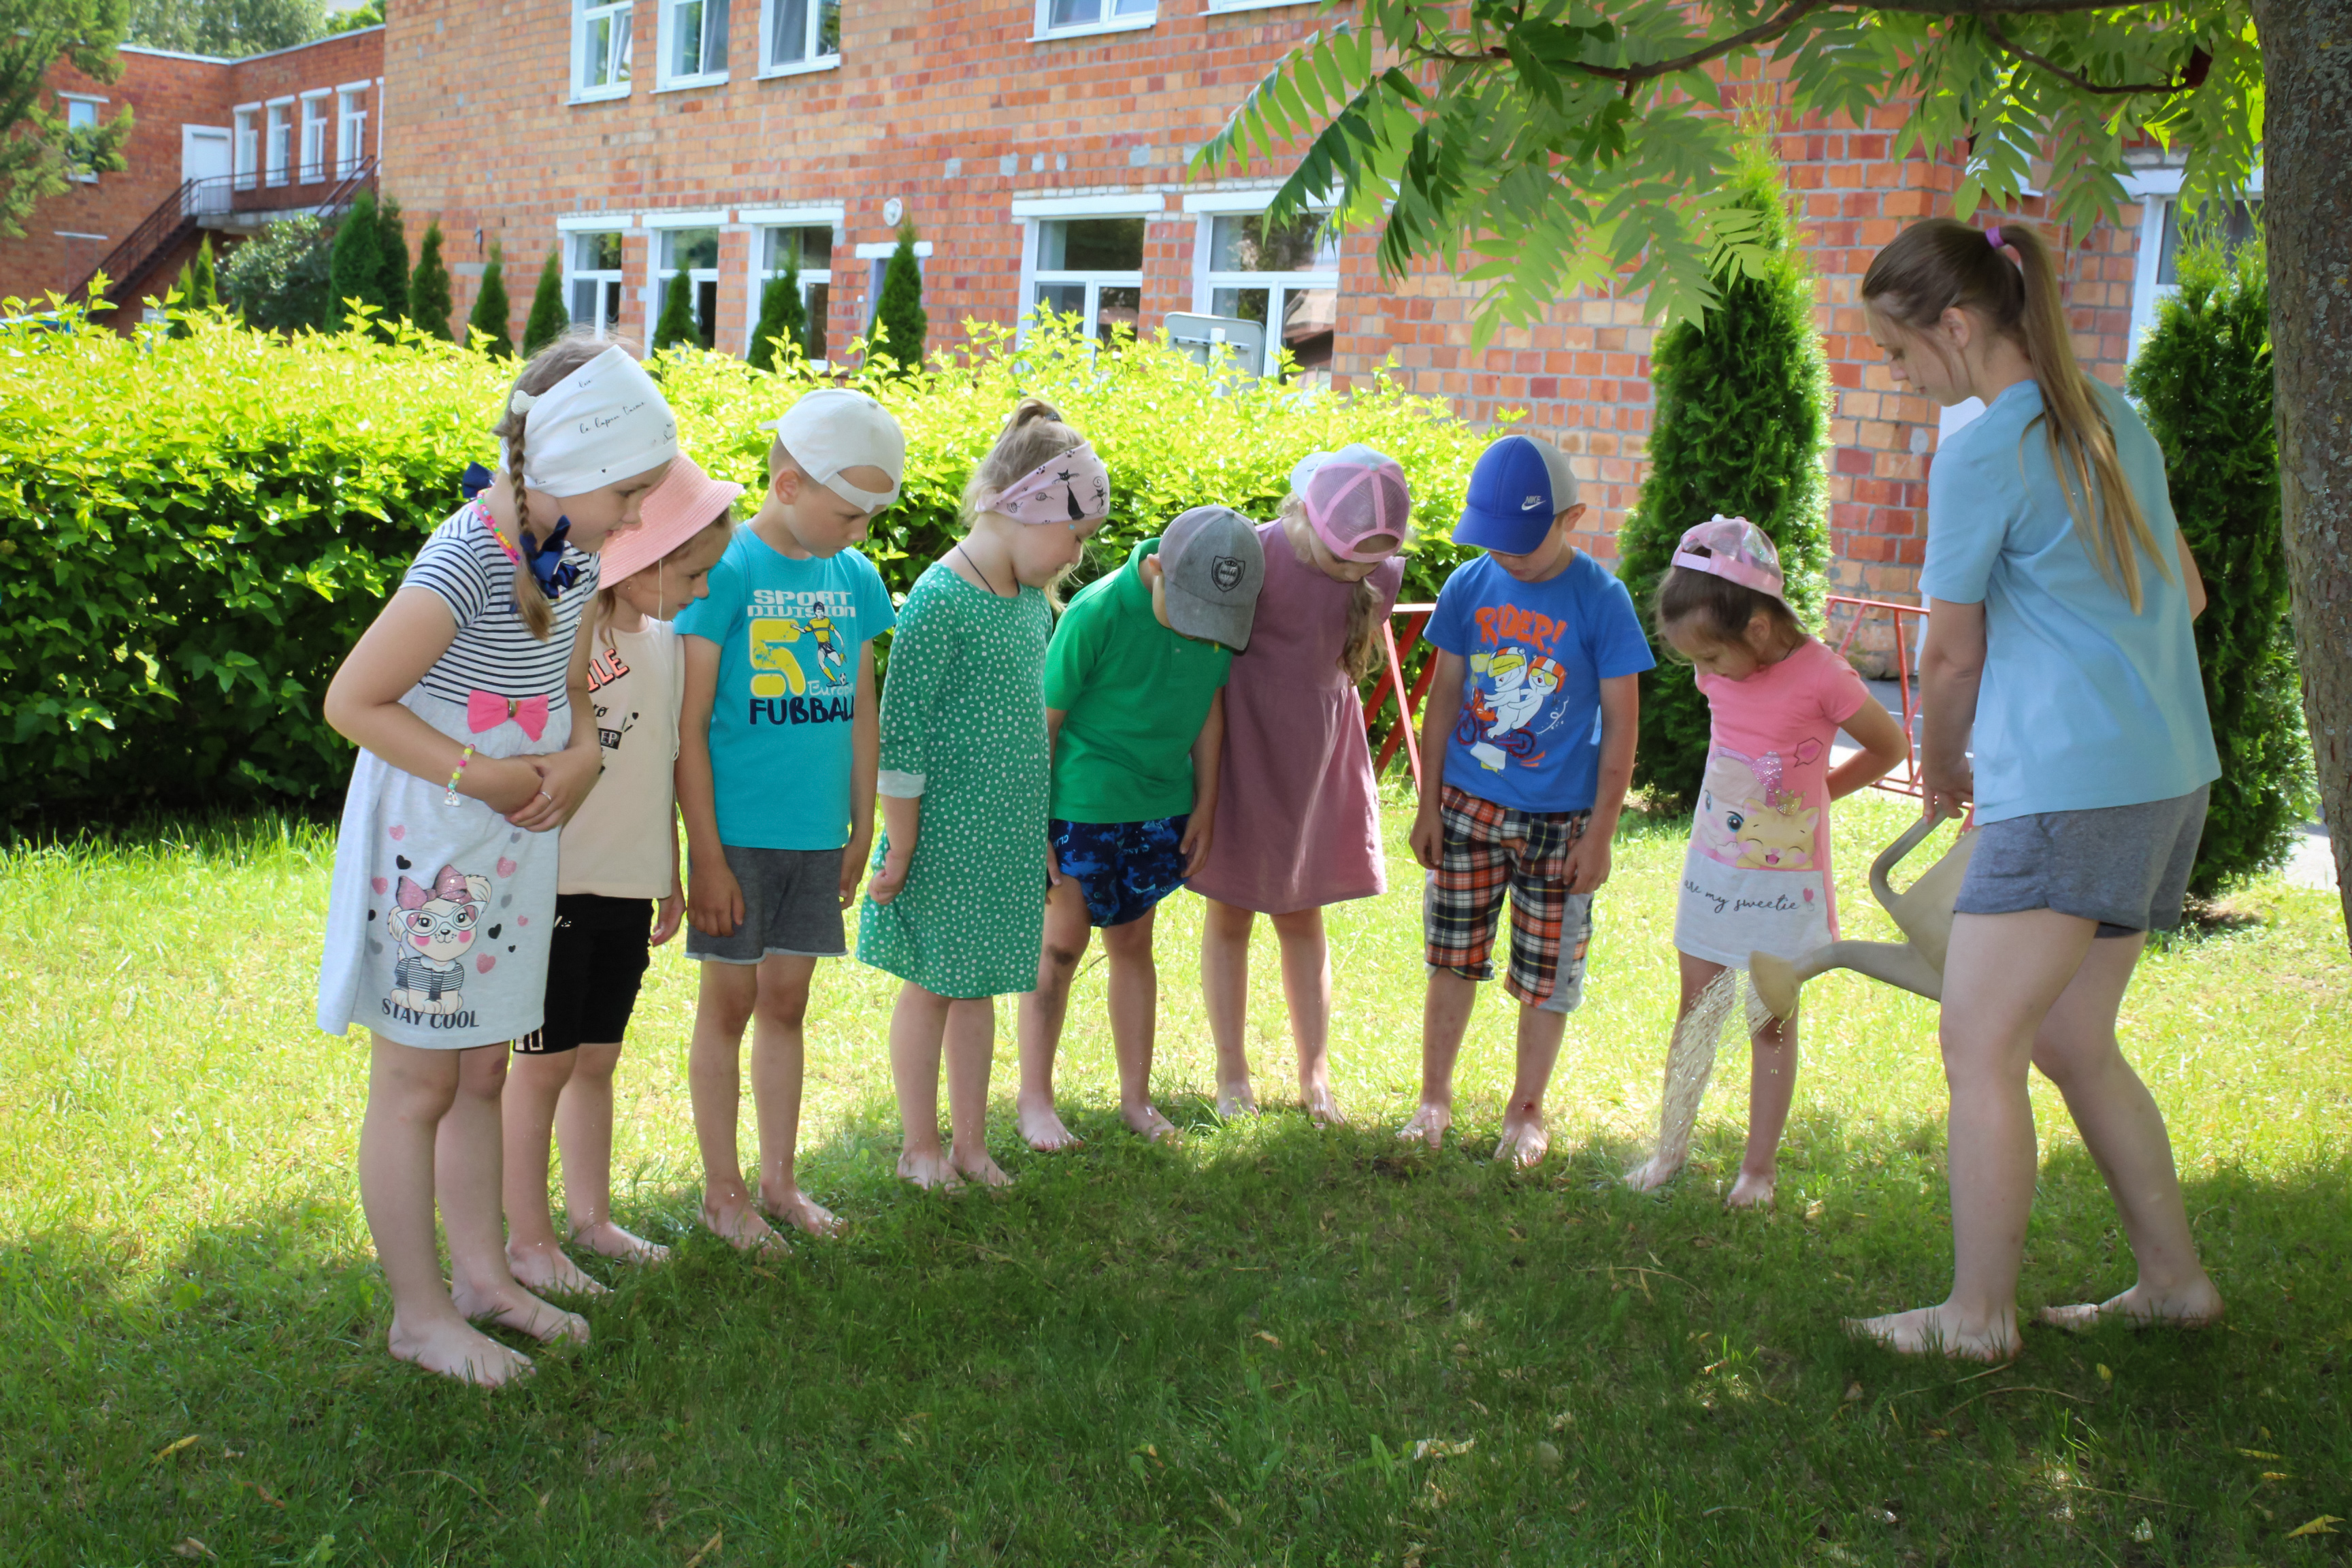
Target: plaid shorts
[1489,847]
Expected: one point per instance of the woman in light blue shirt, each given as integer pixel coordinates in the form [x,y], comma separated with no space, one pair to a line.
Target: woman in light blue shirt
[2060,595]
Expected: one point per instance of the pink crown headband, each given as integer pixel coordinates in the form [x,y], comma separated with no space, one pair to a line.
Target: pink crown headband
[1069,488]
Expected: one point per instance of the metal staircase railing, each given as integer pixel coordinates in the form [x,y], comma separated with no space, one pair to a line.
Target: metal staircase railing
[177,215]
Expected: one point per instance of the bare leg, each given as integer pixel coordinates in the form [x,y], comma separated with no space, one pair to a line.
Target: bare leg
[971,1042]
[1690,1060]
[583,1131]
[917,1024]
[466,1150]
[1224,993]
[714,1076]
[1307,987]
[1134,1022]
[409,1092]
[1771,1088]
[2002,975]
[779,1048]
[1444,1019]
[527,1116]
[1524,1139]
[2125,1132]
[1041,1013]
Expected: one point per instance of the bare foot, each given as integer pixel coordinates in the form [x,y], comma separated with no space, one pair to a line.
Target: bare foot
[979,1168]
[796,1208]
[1041,1127]
[1750,1191]
[739,1225]
[454,1348]
[511,1306]
[1653,1172]
[1146,1122]
[541,1266]
[1322,1107]
[1428,1124]
[930,1172]
[1523,1144]
[1235,1099]
[607,1239]
[2194,1307]
[1938,1331]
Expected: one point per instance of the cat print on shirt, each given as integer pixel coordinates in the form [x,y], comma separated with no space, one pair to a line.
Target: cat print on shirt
[1747,816]
[432,929]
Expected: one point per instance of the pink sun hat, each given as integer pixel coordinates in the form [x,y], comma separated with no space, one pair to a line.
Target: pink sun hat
[684,504]
[1735,549]
[1352,495]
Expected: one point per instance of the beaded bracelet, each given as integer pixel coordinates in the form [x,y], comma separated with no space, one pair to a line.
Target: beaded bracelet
[463,758]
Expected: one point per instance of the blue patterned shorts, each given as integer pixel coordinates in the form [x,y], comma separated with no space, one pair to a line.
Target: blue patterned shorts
[1122,868]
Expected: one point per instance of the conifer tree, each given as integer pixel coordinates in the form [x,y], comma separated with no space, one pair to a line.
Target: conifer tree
[548,317]
[353,264]
[492,315]
[782,314]
[181,289]
[899,324]
[677,325]
[1740,427]
[428,287]
[391,260]
[204,285]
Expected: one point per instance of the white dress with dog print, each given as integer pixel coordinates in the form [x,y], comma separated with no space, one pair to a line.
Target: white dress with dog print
[1757,876]
[438,921]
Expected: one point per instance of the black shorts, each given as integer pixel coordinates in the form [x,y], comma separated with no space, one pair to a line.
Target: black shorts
[594,964]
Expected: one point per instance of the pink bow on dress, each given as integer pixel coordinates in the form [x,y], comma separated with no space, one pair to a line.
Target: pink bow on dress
[488,710]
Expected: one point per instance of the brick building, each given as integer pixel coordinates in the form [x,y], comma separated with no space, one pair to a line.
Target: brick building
[262,137]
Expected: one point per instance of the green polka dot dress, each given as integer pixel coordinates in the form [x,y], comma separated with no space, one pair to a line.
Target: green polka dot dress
[964,725]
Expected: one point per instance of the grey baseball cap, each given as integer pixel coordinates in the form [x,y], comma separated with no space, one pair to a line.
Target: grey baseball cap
[1214,568]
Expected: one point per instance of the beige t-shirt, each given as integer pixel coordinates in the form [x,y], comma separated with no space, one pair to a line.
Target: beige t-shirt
[622,842]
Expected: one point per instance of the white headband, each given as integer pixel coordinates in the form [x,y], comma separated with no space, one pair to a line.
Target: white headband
[600,423]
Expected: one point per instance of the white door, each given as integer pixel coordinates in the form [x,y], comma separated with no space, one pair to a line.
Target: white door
[205,155]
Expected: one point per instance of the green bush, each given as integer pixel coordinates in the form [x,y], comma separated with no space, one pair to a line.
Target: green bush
[548,318]
[278,280]
[492,325]
[783,316]
[428,287]
[391,261]
[2203,381]
[676,328]
[900,325]
[354,267]
[1741,427]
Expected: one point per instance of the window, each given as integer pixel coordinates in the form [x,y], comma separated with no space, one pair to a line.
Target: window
[351,129]
[279,164]
[314,137]
[600,48]
[694,41]
[1287,279]
[799,35]
[695,252]
[2163,238]
[596,281]
[244,153]
[1091,267]
[82,126]
[1059,16]
[814,247]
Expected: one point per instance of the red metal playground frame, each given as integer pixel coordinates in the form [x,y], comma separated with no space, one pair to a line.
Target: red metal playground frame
[1396,648]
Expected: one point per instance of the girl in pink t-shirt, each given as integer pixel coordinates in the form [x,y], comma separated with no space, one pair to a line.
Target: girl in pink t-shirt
[1757,876]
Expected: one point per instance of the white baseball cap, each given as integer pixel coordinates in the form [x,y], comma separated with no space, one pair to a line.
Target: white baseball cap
[834,429]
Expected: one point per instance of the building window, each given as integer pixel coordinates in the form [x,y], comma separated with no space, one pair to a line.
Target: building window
[601,48]
[351,129]
[694,41]
[814,245]
[2163,238]
[81,128]
[1285,279]
[1055,18]
[314,138]
[1090,268]
[695,252]
[800,35]
[245,152]
[596,281]
[279,166]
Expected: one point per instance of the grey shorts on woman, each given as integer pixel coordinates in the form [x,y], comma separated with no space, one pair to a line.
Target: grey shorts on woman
[2126,867]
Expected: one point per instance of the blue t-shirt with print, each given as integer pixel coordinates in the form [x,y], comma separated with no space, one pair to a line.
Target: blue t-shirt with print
[789,635]
[1529,734]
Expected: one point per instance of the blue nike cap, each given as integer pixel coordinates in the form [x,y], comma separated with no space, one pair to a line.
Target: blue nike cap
[1518,486]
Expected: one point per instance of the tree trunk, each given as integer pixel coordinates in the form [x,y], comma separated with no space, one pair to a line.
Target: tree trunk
[2308,211]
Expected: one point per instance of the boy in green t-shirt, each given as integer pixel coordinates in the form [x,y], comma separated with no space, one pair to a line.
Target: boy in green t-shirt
[1135,711]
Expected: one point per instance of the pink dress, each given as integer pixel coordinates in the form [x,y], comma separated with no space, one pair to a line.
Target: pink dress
[1298,823]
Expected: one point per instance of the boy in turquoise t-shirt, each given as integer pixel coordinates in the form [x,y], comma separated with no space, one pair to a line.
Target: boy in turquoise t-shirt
[1135,712]
[777,754]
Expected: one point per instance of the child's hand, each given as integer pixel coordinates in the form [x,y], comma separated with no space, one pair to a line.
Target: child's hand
[505,785]
[668,916]
[715,900]
[1195,844]
[884,884]
[567,776]
[1428,838]
[853,867]
[1587,863]
[1054,865]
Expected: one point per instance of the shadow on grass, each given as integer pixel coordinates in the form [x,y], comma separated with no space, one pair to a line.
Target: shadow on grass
[1221,1352]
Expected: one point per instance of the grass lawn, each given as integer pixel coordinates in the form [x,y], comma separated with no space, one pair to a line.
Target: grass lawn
[1264,1344]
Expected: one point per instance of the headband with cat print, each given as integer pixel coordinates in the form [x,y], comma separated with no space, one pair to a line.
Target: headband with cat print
[1069,487]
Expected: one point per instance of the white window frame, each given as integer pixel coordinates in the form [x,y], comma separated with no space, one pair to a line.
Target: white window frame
[1032,210]
[584,14]
[1206,208]
[666,26]
[1218,8]
[245,147]
[1045,28]
[277,153]
[2158,192]
[877,257]
[659,225]
[88,103]
[760,221]
[351,128]
[312,163]
[770,67]
[570,231]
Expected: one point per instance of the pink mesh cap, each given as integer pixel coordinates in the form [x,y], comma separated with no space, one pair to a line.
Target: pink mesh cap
[1352,495]
[1735,549]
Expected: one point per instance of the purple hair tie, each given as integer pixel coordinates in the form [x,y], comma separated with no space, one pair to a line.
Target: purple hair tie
[1992,237]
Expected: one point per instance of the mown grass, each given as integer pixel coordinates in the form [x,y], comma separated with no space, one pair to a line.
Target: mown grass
[1224,1352]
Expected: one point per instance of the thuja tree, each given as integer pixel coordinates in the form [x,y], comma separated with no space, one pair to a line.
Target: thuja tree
[355,265]
[548,318]
[391,260]
[1740,427]
[784,317]
[900,325]
[491,314]
[428,287]
[674,328]
[2204,380]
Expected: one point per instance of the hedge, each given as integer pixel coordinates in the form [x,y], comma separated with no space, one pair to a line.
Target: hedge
[194,532]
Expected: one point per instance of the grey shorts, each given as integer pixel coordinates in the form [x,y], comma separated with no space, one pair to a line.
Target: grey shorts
[2126,867]
[791,904]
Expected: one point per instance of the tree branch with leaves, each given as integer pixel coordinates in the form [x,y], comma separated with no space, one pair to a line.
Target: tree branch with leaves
[39,152]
